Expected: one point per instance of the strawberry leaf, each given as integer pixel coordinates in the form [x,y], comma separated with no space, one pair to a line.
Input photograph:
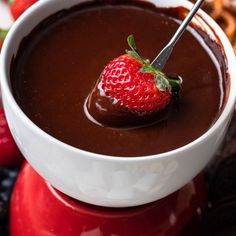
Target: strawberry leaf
[162,83]
[133,54]
[175,84]
[3,34]
[131,43]
[146,69]
[11,1]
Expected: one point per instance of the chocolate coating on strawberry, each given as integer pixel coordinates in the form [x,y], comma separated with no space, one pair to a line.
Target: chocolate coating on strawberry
[130,92]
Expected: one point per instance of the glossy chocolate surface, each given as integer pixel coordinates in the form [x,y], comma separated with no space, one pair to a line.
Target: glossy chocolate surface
[59,63]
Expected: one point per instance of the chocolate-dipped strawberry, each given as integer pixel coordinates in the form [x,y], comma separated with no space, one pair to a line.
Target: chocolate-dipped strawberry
[130,92]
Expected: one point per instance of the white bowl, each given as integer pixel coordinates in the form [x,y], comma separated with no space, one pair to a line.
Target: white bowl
[106,180]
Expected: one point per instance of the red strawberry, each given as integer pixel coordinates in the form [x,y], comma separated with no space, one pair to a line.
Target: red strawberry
[17,7]
[9,152]
[130,89]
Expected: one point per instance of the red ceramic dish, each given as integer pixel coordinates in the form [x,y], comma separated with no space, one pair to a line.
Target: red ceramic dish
[39,209]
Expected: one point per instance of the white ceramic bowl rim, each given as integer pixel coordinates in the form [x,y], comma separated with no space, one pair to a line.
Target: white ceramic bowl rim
[230,59]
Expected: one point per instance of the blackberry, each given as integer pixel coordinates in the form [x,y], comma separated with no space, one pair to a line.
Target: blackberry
[220,219]
[7,180]
[222,184]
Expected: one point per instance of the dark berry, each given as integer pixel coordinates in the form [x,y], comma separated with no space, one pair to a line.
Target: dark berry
[223,181]
[221,219]
[7,180]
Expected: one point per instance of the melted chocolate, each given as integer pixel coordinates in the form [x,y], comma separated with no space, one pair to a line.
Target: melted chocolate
[59,62]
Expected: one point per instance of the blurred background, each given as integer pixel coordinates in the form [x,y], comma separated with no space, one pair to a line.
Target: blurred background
[224,13]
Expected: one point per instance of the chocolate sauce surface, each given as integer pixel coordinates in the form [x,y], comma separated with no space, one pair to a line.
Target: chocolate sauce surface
[59,62]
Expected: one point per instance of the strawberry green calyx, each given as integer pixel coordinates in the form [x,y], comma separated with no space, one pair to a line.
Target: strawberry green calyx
[163,82]
[11,1]
[175,84]
[3,34]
